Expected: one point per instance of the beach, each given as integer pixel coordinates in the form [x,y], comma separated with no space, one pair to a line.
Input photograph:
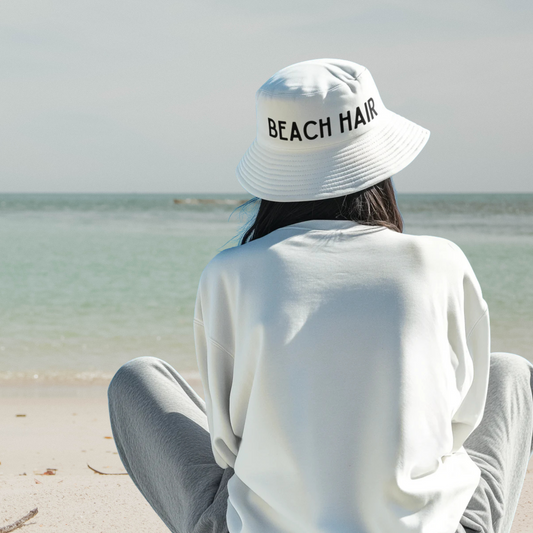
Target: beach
[89,282]
[64,434]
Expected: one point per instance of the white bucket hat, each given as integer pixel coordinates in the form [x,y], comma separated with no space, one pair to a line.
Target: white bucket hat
[323,131]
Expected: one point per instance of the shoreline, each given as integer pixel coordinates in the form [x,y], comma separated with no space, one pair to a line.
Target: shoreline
[75,388]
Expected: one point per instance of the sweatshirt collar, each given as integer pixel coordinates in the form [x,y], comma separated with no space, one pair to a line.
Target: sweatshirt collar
[325,225]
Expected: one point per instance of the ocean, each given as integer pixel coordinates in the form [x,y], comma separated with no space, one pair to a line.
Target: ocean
[90,281]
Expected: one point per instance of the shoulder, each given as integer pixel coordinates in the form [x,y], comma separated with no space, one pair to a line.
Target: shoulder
[446,249]
[231,262]
[432,249]
[431,242]
[224,277]
[446,258]
[218,266]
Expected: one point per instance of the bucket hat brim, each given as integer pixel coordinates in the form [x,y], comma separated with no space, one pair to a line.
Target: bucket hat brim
[337,170]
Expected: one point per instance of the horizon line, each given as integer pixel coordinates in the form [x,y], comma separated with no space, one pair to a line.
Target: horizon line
[243,194]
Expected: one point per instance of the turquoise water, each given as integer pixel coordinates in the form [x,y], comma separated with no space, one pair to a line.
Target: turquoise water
[88,282]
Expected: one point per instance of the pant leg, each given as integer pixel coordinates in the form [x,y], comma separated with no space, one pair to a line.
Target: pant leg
[501,446]
[160,429]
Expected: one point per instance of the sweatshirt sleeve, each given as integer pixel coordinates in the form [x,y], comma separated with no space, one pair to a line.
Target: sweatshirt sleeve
[215,365]
[472,372]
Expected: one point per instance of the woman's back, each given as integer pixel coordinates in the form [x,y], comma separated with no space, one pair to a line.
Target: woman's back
[337,356]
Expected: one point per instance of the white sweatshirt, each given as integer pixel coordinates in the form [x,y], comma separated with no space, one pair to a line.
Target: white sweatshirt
[343,365]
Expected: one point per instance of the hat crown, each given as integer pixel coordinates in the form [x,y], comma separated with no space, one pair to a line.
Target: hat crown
[314,76]
[315,104]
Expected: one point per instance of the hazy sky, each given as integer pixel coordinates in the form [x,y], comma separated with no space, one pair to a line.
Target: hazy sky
[158,96]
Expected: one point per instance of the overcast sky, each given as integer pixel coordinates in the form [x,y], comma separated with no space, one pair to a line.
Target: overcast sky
[158,96]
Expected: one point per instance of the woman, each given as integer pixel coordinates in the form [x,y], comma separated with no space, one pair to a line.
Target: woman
[345,364]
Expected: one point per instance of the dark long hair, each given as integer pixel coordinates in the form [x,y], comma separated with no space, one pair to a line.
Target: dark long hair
[375,206]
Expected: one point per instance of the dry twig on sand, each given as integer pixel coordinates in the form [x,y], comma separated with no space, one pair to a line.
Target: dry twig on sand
[19,522]
[104,474]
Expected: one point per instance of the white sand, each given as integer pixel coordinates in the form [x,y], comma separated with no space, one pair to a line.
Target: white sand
[66,433]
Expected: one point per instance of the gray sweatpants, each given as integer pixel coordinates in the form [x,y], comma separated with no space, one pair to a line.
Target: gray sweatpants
[160,429]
